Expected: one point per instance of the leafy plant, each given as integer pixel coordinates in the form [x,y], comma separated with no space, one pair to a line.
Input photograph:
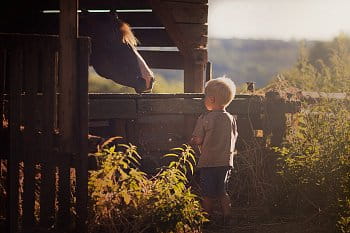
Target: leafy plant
[124,199]
[315,161]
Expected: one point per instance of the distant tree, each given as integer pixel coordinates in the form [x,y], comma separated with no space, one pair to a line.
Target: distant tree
[323,67]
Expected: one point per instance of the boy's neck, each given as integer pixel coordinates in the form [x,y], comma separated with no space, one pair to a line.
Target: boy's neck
[218,108]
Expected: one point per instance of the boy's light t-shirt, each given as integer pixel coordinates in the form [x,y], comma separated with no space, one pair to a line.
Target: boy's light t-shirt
[219,132]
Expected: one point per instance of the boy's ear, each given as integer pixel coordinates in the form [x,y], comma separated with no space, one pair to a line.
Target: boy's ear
[212,99]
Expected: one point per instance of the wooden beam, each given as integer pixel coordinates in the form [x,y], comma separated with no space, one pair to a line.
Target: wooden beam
[12,201]
[188,12]
[163,59]
[162,10]
[188,1]
[82,135]
[68,46]
[193,77]
[135,19]
[100,109]
[208,71]
[196,35]
[104,109]
[98,5]
[153,38]
[67,86]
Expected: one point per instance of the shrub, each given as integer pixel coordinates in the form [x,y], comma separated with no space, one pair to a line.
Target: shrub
[124,199]
[314,162]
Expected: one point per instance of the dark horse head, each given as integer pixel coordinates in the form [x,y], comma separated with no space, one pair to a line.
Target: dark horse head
[114,55]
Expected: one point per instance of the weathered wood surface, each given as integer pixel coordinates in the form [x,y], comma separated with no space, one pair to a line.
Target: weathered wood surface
[82,135]
[68,34]
[101,4]
[153,37]
[164,59]
[158,122]
[29,64]
[15,72]
[105,106]
[48,189]
[186,25]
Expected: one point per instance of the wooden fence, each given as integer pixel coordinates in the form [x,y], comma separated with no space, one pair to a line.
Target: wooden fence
[37,173]
[158,122]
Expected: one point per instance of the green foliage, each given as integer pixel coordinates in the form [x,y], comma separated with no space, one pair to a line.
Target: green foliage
[315,164]
[124,199]
[323,67]
[98,84]
[251,60]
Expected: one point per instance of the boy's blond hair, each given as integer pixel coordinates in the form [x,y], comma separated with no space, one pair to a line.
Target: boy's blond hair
[222,88]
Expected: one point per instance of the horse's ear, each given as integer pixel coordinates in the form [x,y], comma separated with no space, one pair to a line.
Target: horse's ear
[84,12]
[114,13]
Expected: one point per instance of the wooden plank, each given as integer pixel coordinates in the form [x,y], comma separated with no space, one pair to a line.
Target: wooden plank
[208,71]
[47,189]
[275,118]
[196,35]
[188,13]
[119,108]
[82,166]
[140,19]
[135,19]
[163,12]
[246,106]
[153,38]
[188,1]
[193,76]
[94,96]
[170,106]
[67,68]
[14,126]
[2,85]
[100,4]
[160,133]
[63,194]
[31,66]
[67,104]
[163,59]
[112,109]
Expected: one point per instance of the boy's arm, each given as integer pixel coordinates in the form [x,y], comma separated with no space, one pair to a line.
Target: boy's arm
[198,133]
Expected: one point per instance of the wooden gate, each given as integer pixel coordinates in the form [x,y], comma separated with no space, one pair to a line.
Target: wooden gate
[40,179]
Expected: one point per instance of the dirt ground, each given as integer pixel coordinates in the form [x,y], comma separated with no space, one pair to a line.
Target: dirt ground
[255,220]
[291,227]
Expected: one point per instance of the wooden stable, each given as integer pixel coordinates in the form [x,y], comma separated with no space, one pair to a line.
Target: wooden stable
[44,97]
[173,33]
[31,102]
[46,110]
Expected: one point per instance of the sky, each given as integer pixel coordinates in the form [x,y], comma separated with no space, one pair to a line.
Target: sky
[279,19]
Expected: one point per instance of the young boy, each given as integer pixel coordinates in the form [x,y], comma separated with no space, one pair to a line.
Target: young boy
[216,134]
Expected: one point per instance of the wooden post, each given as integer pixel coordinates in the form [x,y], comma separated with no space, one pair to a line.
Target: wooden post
[276,118]
[82,135]
[67,60]
[208,71]
[14,126]
[193,77]
[68,32]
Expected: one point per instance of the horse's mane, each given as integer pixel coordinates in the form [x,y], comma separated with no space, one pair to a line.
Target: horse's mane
[128,36]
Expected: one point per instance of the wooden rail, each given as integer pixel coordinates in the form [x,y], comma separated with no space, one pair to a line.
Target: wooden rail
[29,87]
[158,122]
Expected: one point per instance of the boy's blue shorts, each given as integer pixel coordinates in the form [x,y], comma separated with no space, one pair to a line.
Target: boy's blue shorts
[214,180]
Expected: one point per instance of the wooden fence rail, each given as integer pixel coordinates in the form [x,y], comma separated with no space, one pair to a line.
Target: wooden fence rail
[158,122]
[29,105]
